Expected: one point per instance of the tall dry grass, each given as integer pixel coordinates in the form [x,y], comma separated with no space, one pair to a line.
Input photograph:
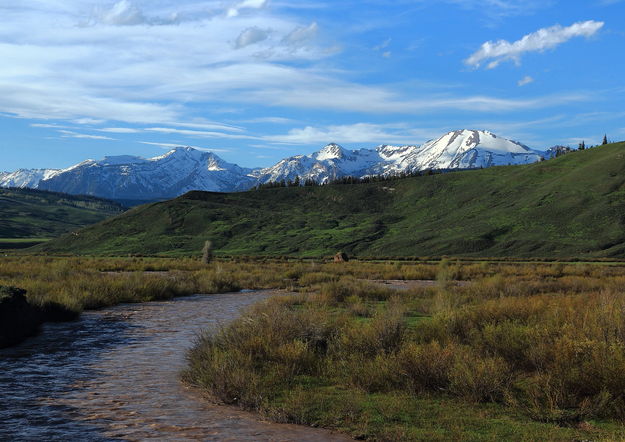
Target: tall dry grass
[547,340]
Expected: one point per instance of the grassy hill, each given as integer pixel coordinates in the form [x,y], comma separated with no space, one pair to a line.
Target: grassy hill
[30,216]
[572,206]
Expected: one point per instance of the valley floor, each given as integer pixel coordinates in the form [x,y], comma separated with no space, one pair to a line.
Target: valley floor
[489,351]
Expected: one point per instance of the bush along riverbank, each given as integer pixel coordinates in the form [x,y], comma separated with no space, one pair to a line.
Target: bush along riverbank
[59,289]
[20,319]
[536,356]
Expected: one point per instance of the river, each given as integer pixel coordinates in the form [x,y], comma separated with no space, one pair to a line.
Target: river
[114,375]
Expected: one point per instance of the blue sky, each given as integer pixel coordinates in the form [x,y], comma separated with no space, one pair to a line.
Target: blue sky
[258,80]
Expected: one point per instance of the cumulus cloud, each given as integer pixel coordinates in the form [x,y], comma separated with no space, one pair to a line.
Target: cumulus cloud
[539,41]
[250,36]
[525,80]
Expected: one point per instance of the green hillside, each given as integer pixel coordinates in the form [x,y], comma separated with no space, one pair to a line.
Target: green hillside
[30,216]
[572,206]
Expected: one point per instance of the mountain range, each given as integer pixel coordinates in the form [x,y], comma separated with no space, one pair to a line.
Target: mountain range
[184,169]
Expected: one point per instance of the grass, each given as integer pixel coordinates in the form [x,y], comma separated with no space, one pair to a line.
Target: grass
[29,217]
[532,351]
[20,243]
[23,240]
[565,207]
[523,352]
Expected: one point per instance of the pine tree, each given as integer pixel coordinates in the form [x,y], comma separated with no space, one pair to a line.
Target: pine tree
[582,145]
[605,140]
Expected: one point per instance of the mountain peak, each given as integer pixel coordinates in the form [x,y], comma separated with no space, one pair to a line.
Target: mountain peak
[180,152]
[331,151]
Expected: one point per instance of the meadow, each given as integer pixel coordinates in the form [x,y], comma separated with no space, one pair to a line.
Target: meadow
[520,352]
[490,350]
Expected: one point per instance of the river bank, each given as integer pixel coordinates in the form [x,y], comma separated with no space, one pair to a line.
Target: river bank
[114,374]
[60,288]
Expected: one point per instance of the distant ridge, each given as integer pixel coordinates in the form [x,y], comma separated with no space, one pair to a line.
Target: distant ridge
[29,216]
[184,169]
[570,207]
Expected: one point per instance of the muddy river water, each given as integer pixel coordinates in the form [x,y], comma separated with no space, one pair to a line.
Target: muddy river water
[114,375]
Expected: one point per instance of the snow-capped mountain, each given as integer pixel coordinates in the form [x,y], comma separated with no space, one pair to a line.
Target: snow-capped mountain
[468,149]
[26,177]
[183,169]
[333,161]
[462,149]
[127,177]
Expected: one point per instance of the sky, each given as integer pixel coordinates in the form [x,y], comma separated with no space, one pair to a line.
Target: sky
[258,80]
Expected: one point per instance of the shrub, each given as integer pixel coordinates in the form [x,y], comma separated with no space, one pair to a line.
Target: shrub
[478,378]
[426,367]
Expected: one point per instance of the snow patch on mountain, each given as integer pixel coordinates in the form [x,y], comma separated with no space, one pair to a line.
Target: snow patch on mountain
[26,178]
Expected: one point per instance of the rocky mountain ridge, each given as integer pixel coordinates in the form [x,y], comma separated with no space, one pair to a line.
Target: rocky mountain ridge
[183,169]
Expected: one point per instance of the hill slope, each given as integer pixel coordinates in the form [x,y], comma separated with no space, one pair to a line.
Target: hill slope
[573,205]
[30,216]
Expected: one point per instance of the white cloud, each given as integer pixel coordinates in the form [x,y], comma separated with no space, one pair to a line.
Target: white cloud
[198,133]
[72,134]
[119,130]
[87,121]
[48,126]
[235,10]
[250,36]
[173,146]
[271,120]
[164,75]
[355,133]
[539,41]
[123,13]
[54,68]
[525,80]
